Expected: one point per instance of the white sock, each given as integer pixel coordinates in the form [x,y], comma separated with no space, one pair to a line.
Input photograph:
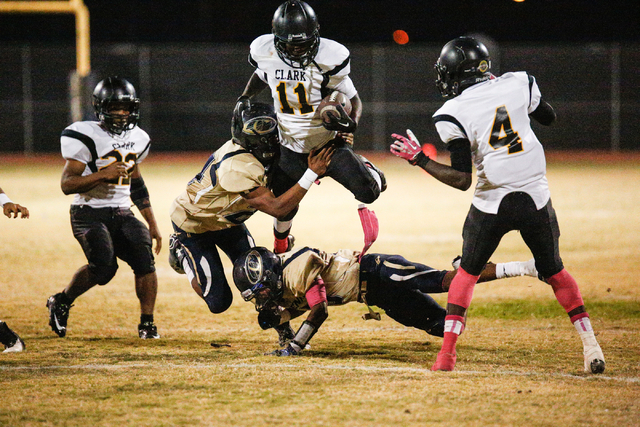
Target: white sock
[282,226]
[516,268]
[583,326]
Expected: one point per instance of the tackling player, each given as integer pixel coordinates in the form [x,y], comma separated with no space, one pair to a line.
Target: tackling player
[102,171]
[233,185]
[11,341]
[486,121]
[285,286]
[300,68]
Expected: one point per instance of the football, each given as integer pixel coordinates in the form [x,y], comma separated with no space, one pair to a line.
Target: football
[328,105]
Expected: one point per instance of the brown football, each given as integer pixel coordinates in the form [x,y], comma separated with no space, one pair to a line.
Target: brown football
[328,105]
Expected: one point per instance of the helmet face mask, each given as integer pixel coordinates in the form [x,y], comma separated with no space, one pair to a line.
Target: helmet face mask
[258,276]
[296,33]
[116,105]
[256,129]
[463,62]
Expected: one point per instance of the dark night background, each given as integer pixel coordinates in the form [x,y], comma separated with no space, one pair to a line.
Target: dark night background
[343,20]
[188,61]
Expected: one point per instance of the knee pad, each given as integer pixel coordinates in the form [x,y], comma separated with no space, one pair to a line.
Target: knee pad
[217,307]
[102,275]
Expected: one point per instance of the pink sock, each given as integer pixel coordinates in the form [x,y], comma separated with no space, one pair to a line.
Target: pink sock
[566,290]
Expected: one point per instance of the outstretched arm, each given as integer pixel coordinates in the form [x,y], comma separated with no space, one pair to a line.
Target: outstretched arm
[458,175]
[264,200]
[317,300]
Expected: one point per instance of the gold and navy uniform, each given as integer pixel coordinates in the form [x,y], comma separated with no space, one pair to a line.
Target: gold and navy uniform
[213,198]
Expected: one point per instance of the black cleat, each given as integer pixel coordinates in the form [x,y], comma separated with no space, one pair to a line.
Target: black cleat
[58,314]
[148,330]
[11,340]
[176,254]
[285,334]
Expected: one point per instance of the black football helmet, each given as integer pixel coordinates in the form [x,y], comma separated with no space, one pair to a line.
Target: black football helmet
[115,93]
[296,32]
[254,126]
[258,276]
[463,62]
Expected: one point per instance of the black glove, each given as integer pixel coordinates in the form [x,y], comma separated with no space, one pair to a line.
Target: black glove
[344,123]
[268,318]
[243,103]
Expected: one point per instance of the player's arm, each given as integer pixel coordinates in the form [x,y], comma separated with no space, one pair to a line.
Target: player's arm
[9,208]
[140,198]
[317,299]
[458,175]
[254,86]
[73,182]
[544,114]
[264,200]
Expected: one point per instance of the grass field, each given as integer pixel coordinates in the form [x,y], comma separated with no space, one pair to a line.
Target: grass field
[519,360]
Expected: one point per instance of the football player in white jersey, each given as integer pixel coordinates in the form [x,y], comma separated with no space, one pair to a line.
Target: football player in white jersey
[233,184]
[287,285]
[102,171]
[486,120]
[11,341]
[300,68]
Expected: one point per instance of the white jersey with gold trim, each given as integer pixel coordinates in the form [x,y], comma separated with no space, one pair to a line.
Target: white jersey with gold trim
[494,117]
[89,143]
[213,199]
[297,92]
[340,272]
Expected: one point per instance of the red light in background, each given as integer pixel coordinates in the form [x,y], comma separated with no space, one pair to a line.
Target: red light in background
[400,37]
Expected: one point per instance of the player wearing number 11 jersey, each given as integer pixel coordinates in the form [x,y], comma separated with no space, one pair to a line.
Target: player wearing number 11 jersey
[102,171]
[487,119]
[301,68]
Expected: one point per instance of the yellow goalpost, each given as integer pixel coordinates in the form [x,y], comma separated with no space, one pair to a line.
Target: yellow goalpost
[83,52]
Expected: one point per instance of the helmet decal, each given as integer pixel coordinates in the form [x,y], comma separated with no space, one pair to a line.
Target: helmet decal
[260,125]
[254,267]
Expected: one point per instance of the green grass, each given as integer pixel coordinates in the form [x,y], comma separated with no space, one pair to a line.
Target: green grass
[519,359]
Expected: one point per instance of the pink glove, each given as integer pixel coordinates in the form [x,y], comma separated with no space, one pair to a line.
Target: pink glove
[408,149]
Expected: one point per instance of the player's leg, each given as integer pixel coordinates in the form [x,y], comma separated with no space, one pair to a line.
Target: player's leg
[542,236]
[356,174]
[89,227]
[400,288]
[289,169]
[481,234]
[133,244]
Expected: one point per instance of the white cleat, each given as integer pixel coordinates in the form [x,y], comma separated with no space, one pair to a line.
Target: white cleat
[16,347]
[594,359]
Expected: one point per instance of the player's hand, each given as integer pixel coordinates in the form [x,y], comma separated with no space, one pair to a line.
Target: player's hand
[15,209]
[319,160]
[287,351]
[407,148]
[346,137]
[341,123]
[268,318]
[114,171]
[155,235]
[101,191]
